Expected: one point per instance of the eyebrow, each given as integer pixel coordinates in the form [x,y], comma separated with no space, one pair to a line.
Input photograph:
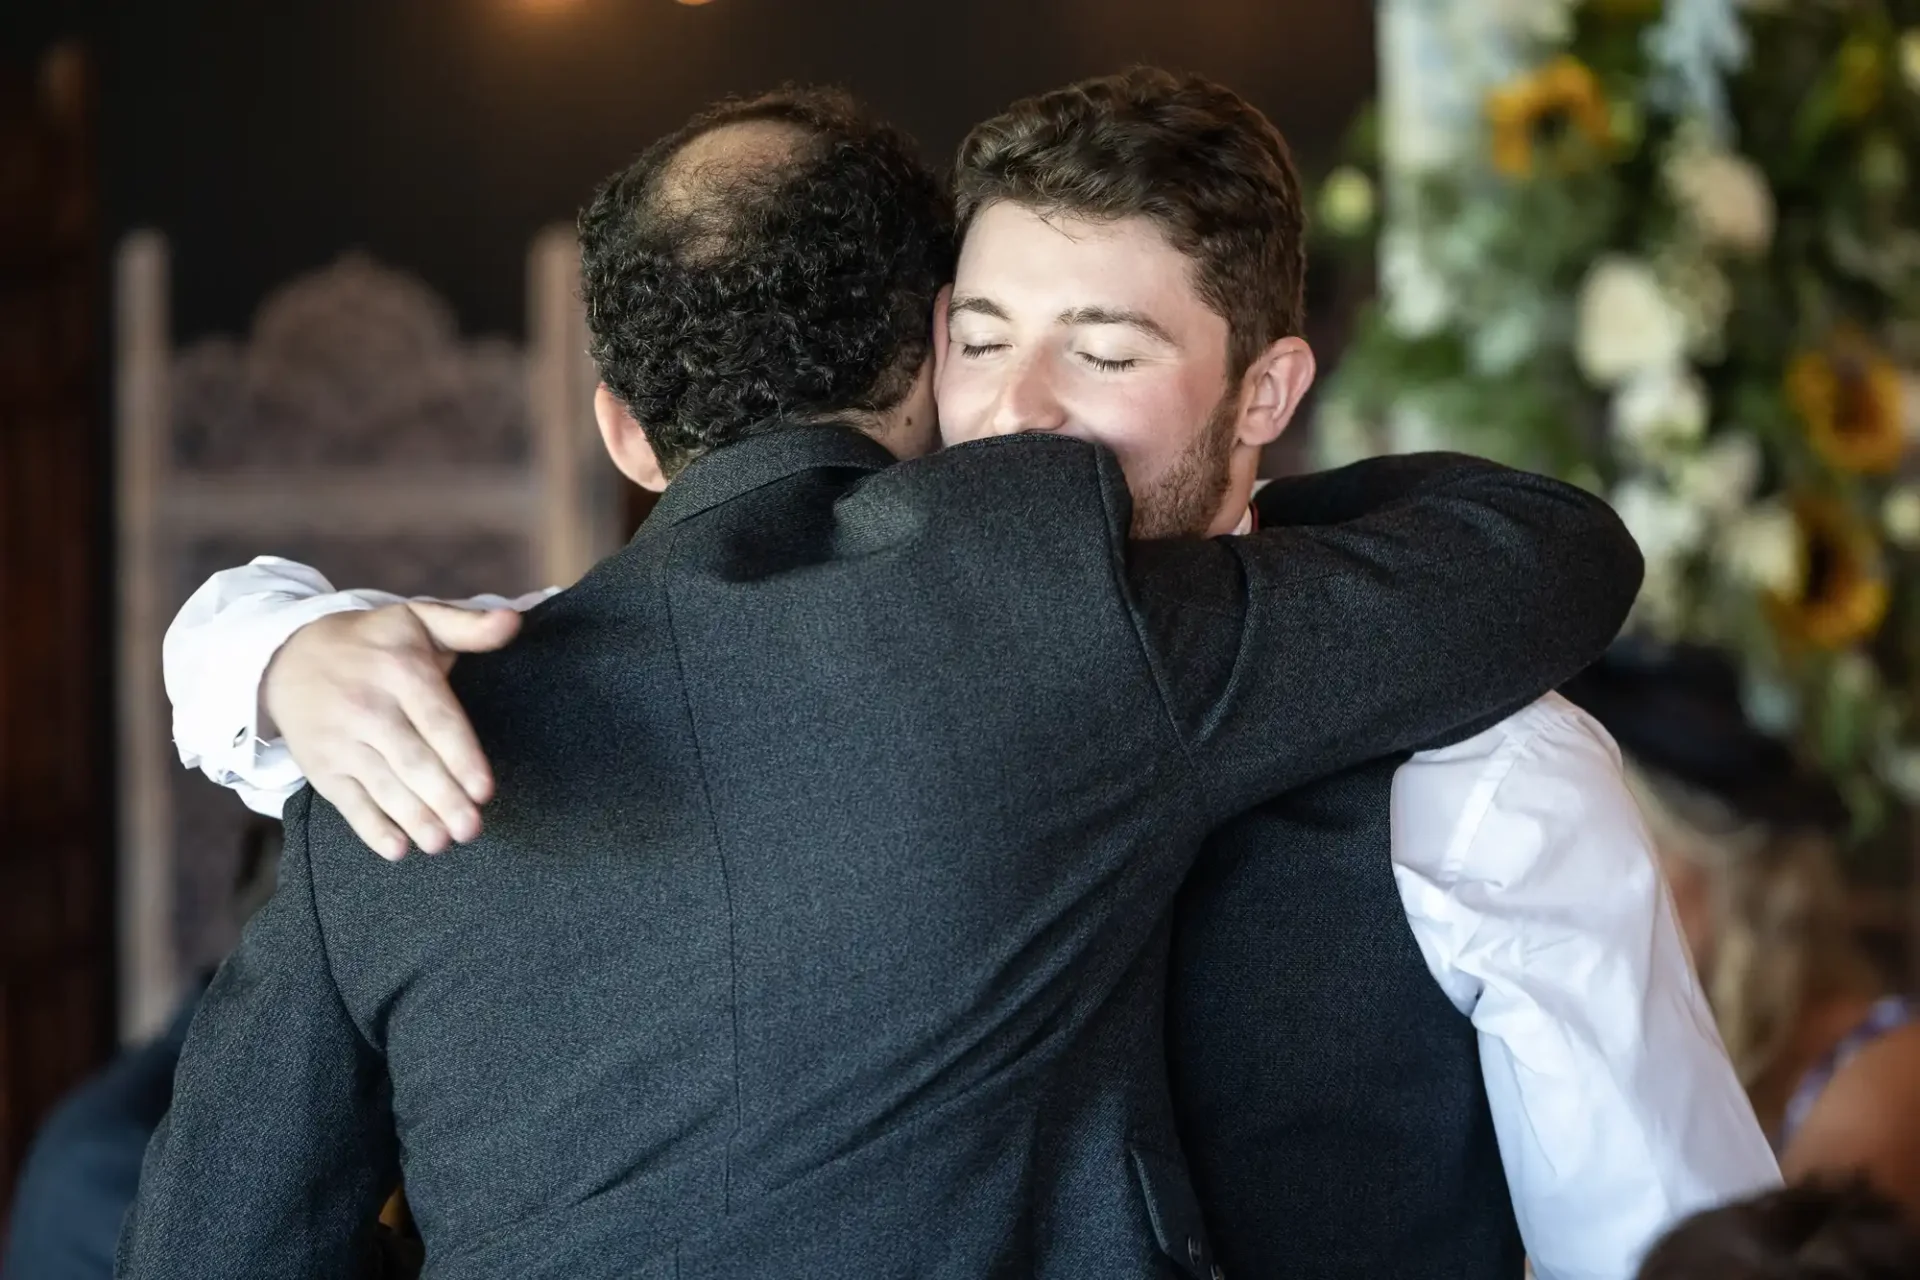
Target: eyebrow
[1139,320]
[967,304]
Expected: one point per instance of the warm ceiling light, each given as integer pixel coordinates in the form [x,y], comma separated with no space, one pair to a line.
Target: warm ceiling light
[693,1]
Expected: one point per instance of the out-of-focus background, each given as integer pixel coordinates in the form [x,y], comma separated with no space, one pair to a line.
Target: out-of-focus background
[298,278]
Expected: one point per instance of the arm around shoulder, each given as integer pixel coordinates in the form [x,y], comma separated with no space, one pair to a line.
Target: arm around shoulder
[1414,597]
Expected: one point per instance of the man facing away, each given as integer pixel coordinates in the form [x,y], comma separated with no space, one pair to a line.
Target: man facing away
[1189,462]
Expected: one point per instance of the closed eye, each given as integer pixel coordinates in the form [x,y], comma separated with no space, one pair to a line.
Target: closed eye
[972,352]
[1108,366]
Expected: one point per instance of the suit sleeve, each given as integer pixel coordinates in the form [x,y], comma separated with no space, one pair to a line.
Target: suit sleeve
[1411,598]
[279,1147]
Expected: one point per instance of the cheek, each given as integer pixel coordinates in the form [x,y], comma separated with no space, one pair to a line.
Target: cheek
[1148,425]
[965,400]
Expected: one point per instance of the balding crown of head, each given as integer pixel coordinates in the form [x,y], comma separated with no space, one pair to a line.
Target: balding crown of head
[711,184]
[702,267]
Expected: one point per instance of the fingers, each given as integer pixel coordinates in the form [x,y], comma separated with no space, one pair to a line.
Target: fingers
[455,767]
[398,801]
[363,815]
[467,630]
[416,767]
[409,774]
[366,710]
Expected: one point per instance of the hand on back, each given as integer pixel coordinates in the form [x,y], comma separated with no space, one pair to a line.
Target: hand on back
[363,703]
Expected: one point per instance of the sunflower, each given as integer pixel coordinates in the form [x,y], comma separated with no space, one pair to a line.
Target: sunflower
[1842,596]
[1849,400]
[1539,115]
[1860,78]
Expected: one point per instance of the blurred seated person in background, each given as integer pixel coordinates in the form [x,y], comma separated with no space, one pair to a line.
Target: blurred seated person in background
[1828,1051]
[82,1170]
[1815,1231]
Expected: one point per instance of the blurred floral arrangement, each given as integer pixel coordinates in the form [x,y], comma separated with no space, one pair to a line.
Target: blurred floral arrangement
[1680,265]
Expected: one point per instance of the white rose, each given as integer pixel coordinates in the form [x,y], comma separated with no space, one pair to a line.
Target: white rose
[1546,21]
[1900,767]
[1660,408]
[1626,324]
[1721,478]
[1724,195]
[1664,526]
[1772,705]
[1762,548]
[1900,515]
[1505,342]
[1696,287]
[1418,299]
[1854,674]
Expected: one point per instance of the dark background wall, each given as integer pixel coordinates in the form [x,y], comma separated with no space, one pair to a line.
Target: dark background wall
[265,137]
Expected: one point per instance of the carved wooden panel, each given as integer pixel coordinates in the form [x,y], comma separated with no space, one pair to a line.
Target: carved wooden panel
[352,428]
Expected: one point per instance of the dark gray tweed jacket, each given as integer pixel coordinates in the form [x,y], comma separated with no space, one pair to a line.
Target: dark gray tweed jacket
[819,926]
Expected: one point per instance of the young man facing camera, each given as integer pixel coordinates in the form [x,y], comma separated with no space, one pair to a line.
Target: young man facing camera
[1131,274]
[1356,1097]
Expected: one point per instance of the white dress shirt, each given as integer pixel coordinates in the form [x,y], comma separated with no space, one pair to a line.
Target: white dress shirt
[1527,876]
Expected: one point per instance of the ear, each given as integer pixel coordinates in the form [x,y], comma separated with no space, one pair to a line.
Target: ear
[626,441]
[1275,384]
[940,303]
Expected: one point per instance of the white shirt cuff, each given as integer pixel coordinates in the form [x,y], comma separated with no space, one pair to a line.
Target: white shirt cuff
[216,712]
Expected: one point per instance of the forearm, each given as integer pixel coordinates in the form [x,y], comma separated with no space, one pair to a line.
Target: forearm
[1541,537]
[1362,489]
[1468,592]
[1483,588]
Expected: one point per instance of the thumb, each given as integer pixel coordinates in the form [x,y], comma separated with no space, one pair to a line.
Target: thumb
[458,630]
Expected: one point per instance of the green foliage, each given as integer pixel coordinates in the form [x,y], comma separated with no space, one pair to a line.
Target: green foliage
[1783,262]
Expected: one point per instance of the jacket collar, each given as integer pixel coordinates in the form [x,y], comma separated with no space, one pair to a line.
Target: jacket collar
[761,460]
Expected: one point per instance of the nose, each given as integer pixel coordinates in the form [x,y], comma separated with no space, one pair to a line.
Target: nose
[1027,401]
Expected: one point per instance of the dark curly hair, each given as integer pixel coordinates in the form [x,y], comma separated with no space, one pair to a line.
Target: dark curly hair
[1194,157]
[728,299]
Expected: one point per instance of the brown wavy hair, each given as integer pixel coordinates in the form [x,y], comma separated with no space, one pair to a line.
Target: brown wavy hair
[1192,156]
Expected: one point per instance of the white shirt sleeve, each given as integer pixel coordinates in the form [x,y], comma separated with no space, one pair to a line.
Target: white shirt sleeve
[1534,893]
[215,656]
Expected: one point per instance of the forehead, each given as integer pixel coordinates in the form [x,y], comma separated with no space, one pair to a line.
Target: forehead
[1016,256]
